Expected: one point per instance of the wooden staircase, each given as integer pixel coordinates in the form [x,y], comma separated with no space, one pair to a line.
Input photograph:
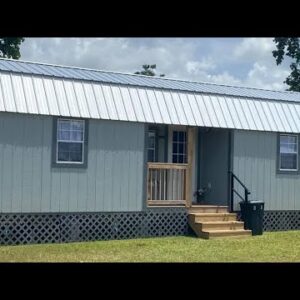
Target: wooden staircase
[212,221]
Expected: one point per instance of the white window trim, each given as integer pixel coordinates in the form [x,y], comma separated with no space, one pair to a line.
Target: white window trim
[297,153]
[154,148]
[70,141]
[170,140]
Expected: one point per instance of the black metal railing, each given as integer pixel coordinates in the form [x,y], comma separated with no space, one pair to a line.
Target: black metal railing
[233,191]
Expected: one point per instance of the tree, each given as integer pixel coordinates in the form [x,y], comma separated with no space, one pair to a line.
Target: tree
[10,47]
[148,70]
[289,47]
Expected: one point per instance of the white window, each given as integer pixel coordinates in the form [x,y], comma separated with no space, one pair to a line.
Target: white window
[288,153]
[179,145]
[70,141]
[151,145]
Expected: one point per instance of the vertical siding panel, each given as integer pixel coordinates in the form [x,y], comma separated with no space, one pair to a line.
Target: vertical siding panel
[46,165]
[292,193]
[36,179]
[123,160]
[73,200]
[100,166]
[267,186]
[64,196]
[7,167]
[261,167]
[297,196]
[131,169]
[273,177]
[138,197]
[138,204]
[82,189]
[108,137]
[27,166]
[117,169]
[55,189]
[284,194]
[91,170]
[1,160]
[16,130]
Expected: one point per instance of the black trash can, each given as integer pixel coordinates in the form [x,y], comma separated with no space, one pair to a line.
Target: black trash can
[252,214]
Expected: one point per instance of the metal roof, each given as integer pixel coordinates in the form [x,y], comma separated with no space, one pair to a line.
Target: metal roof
[23,67]
[44,95]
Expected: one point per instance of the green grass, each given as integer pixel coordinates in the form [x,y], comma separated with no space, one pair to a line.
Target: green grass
[270,247]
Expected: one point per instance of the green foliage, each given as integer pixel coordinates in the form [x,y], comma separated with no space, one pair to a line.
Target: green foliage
[148,70]
[10,47]
[289,47]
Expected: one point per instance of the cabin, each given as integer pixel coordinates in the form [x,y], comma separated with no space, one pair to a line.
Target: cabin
[90,155]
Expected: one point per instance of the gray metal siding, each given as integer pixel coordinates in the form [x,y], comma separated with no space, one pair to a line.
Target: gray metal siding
[113,180]
[213,164]
[255,162]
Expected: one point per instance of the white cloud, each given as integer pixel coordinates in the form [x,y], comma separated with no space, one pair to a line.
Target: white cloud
[195,67]
[246,61]
[254,48]
[267,77]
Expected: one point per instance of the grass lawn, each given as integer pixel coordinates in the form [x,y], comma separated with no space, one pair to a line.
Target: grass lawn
[270,247]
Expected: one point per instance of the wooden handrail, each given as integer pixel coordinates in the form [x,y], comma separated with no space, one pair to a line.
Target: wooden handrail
[164,166]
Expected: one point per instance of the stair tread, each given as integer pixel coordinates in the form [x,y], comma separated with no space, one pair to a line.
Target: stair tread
[219,222]
[212,214]
[208,206]
[227,231]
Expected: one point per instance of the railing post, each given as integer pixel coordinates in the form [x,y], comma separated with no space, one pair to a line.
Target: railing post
[246,195]
[231,191]
[190,159]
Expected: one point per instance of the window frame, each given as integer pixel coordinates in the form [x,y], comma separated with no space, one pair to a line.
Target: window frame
[185,145]
[55,141]
[153,130]
[287,171]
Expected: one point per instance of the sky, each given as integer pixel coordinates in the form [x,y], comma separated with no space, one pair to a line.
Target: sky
[232,61]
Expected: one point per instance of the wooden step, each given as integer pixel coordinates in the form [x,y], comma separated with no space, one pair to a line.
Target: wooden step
[213,234]
[219,225]
[208,209]
[211,217]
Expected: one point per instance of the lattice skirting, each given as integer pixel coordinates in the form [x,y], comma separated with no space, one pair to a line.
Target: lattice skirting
[71,227]
[280,220]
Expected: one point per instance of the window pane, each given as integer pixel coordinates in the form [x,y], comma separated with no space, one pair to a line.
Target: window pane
[175,136]
[77,125]
[181,148]
[291,139]
[284,139]
[151,141]
[150,155]
[64,125]
[63,156]
[76,156]
[180,159]
[288,144]
[151,146]
[64,135]
[288,161]
[180,136]
[174,148]
[76,136]
[70,152]
[288,148]
[174,158]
